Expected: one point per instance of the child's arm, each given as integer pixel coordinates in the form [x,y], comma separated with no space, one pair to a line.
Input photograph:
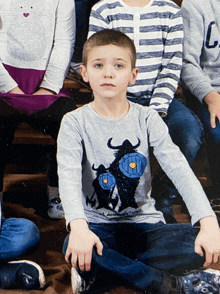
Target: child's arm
[70,155]
[167,79]
[176,167]
[80,245]
[62,51]
[69,159]
[208,240]
[192,74]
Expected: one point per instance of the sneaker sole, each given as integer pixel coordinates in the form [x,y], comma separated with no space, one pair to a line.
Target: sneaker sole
[55,217]
[40,271]
[75,281]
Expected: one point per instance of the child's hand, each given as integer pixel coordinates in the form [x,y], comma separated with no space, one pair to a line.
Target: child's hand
[80,246]
[208,240]
[16,90]
[43,91]
[213,102]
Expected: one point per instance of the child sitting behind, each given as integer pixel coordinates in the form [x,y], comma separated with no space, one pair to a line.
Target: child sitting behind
[105,185]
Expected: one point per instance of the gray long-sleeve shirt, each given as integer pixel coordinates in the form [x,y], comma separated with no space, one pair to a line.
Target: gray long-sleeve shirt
[104,167]
[201,59]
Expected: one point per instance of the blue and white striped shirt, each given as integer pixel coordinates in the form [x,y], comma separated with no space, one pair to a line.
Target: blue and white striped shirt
[157,32]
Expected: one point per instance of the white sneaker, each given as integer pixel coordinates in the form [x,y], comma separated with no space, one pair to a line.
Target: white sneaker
[22,274]
[79,285]
[55,208]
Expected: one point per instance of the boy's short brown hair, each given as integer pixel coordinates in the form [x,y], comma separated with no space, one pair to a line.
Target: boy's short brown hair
[109,37]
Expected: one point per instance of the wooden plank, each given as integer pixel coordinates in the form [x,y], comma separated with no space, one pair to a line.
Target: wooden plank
[70,84]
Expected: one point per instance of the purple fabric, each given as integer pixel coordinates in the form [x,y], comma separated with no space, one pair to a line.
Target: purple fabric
[28,81]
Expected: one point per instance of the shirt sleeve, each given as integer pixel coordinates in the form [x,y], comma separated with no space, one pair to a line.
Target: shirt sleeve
[169,75]
[7,83]
[176,167]
[97,23]
[192,74]
[63,47]
[69,158]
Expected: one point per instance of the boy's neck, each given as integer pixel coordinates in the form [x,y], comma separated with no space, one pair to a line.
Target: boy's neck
[112,110]
[135,3]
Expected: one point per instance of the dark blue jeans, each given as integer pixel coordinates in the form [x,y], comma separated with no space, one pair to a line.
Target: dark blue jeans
[18,237]
[137,255]
[212,136]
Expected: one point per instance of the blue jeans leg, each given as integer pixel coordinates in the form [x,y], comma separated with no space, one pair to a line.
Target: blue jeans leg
[18,237]
[212,136]
[169,247]
[138,254]
[185,129]
[115,266]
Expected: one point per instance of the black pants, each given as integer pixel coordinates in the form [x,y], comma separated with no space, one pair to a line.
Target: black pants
[47,120]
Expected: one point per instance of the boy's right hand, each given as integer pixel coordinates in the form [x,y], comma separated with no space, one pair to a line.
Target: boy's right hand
[212,99]
[16,90]
[80,246]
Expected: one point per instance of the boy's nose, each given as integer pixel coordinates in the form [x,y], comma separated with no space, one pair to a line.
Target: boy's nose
[109,72]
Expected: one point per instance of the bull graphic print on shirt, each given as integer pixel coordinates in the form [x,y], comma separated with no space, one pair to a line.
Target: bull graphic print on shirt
[115,186]
[26,38]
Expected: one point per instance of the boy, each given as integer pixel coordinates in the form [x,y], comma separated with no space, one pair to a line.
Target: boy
[156,28]
[105,186]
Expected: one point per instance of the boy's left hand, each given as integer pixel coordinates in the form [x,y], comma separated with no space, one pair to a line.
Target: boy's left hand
[208,240]
[43,91]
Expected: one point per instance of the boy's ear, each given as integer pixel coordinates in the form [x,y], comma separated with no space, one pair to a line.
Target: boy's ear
[83,72]
[134,74]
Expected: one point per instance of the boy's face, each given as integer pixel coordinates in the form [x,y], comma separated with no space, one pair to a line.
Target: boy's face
[109,71]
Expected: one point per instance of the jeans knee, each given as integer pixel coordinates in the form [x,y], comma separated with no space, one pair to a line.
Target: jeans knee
[26,237]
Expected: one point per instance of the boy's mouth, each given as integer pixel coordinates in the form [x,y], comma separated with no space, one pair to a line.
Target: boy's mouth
[107,85]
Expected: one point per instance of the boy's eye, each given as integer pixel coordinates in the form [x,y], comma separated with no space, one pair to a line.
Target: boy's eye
[98,65]
[118,65]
